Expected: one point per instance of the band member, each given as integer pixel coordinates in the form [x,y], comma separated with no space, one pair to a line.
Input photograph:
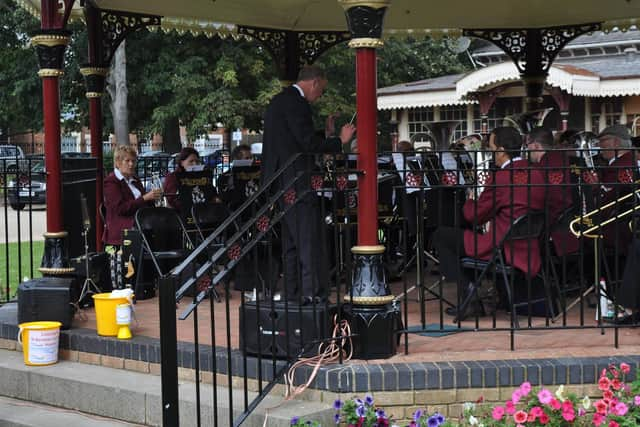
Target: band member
[187,160]
[556,169]
[616,179]
[289,130]
[124,195]
[513,190]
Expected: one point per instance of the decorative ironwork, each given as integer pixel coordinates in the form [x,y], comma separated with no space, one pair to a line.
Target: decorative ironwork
[365,21]
[50,46]
[117,25]
[533,50]
[292,50]
[369,281]
[94,78]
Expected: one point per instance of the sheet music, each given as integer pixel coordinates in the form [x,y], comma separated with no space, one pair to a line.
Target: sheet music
[241,162]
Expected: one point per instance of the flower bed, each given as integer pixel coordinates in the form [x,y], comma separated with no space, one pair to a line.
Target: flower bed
[617,405]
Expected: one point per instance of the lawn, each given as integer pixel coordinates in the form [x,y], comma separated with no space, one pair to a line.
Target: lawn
[20,265]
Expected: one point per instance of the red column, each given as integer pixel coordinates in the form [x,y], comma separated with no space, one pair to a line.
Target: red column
[51,109]
[366,104]
[95,123]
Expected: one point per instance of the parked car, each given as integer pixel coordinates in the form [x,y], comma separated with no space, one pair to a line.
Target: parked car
[10,156]
[30,184]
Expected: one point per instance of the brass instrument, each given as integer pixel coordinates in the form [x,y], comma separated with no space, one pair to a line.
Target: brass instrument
[525,122]
[156,184]
[586,144]
[587,219]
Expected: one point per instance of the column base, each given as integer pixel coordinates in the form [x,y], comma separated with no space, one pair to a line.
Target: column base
[55,259]
[373,317]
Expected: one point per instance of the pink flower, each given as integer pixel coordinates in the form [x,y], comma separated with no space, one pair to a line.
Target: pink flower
[567,405]
[604,383]
[520,417]
[510,408]
[598,419]
[620,409]
[555,404]
[625,368]
[607,395]
[516,396]
[544,418]
[569,415]
[530,417]
[636,400]
[525,388]
[616,384]
[601,407]
[537,411]
[613,424]
[497,413]
[544,396]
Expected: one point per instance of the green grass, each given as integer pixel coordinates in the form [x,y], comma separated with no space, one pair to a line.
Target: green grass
[19,267]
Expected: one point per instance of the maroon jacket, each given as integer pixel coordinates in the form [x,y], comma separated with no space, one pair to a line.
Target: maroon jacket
[121,207]
[510,193]
[556,170]
[617,178]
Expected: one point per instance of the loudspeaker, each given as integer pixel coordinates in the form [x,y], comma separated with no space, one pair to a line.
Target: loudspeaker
[47,298]
[276,332]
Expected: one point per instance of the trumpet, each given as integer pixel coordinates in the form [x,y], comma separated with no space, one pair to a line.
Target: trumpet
[587,219]
[156,184]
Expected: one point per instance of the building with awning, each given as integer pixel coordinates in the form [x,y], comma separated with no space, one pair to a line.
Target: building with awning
[594,83]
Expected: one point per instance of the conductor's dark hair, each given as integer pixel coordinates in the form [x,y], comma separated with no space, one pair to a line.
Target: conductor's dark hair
[311,72]
[542,136]
[509,139]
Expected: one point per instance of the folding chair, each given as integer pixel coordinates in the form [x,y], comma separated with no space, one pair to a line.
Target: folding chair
[529,226]
[165,240]
[207,217]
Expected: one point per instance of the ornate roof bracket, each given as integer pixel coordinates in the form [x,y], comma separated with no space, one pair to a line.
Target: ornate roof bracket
[533,51]
[291,50]
[108,28]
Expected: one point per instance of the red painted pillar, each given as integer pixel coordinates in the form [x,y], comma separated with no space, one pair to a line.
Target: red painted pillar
[50,44]
[366,104]
[52,150]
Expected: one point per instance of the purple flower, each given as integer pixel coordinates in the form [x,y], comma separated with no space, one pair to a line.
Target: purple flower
[417,415]
[337,404]
[439,417]
[380,413]
[336,418]
[358,401]
[433,421]
[368,400]
[295,420]
[360,411]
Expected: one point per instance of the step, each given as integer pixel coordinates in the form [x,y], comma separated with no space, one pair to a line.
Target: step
[20,413]
[135,397]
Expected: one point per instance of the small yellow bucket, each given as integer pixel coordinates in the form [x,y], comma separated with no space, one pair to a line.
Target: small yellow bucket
[39,342]
[106,313]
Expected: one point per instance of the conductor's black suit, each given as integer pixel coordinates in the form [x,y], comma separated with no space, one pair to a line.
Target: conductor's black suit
[289,130]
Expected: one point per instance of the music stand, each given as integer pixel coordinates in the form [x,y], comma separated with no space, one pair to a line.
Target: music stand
[88,287]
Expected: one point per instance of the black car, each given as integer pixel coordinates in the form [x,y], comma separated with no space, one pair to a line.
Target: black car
[30,184]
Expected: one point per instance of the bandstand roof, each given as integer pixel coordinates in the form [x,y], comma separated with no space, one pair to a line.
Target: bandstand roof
[413,16]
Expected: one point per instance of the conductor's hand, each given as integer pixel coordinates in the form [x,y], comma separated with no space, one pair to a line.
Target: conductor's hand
[347,132]
[152,195]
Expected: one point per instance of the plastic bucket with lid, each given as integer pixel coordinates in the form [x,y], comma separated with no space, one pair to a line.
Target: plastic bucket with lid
[39,342]
[106,313]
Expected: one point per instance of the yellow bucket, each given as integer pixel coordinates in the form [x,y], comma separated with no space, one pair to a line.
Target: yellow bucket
[39,342]
[106,313]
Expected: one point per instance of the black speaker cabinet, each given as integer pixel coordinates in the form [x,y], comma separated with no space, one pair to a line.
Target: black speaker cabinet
[47,298]
[279,333]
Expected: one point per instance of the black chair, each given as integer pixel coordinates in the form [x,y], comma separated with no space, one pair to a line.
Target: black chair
[529,226]
[207,217]
[165,240]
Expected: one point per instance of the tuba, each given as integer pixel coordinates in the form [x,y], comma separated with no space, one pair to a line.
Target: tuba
[525,122]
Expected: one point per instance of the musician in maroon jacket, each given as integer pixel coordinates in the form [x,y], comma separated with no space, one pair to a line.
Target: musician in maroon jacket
[513,190]
[616,180]
[124,195]
[556,169]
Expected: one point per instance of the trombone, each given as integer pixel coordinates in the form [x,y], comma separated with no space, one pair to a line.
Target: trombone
[587,219]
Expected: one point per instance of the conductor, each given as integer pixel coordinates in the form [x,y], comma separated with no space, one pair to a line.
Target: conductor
[289,130]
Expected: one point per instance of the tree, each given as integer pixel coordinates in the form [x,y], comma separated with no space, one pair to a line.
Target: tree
[21,94]
[116,87]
